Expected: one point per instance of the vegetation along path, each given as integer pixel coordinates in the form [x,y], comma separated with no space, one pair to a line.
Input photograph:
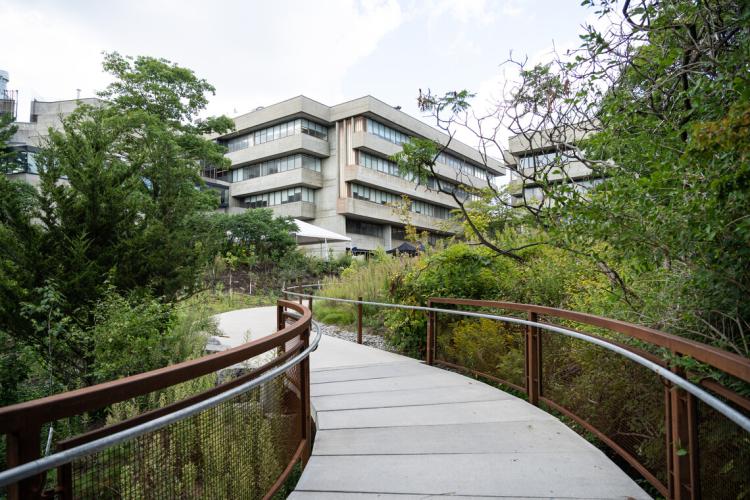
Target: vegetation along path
[389,425]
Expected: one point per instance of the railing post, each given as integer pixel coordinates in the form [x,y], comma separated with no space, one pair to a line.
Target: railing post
[309,303]
[23,447]
[532,364]
[359,320]
[305,398]
[65,481]
[683,452]
[280,323]
[429,350]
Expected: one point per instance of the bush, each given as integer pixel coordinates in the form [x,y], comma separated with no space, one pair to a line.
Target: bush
[134,334]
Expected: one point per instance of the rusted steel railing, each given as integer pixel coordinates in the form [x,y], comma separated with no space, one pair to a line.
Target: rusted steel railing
[653,425]
[625,384]
[239,438]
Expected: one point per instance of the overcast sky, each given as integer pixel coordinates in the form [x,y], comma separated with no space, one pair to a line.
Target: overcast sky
[257,53]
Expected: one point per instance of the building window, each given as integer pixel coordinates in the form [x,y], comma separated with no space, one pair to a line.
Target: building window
[365,228]
[275,166]
[398,233]
[545,158]
[388,167]
[276,132]
[380,164]
[462,166]
[386,132]
[372,195]
[19,161]
[282,197]
[238,143]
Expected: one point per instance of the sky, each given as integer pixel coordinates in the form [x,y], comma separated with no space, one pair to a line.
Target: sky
[258,53]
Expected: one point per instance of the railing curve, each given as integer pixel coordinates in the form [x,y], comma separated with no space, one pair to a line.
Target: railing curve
[679,415]
[272,398]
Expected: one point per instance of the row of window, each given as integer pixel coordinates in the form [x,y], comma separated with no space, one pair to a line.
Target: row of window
[354,226]
[386,132]
[365,193]
[388,167]
[365,228]
[399,233]
[19,162]
[396,137]
[462,166]
[542,159]
[382,165]
[268,134]
[275,166]
[290,195]
[222,191]
[537,193]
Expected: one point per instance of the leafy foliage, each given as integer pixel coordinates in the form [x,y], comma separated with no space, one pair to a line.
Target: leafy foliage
[112,237]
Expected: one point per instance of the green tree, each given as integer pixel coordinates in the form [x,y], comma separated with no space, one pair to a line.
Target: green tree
[20,241]
[7,129]
[655,102]
[118,216]
[132,167]
[257,235]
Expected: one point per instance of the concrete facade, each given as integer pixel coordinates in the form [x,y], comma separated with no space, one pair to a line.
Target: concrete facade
[45,116]
[546,156]
[355,184]
[29,136]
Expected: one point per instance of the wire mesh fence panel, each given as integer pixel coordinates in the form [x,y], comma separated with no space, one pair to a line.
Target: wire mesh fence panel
[243,447]
[619,398]
[237,449]
[482,346]
[724,456]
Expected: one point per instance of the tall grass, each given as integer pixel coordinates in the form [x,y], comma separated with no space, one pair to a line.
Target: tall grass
[370,280]
[219,302]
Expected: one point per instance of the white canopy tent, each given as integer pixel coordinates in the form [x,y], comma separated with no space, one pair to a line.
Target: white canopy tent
[308,234]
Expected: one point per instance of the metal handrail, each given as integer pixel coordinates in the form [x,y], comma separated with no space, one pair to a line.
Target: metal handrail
[712,401]
[35,467]
[70,403]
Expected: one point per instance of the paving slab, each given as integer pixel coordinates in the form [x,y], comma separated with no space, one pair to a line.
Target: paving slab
[412,383]
[572,475]
[243,325]
[344,374]
[333,352]
[429,396]
[487,437]
[440,414]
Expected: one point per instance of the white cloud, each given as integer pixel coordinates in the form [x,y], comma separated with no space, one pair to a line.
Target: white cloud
[511,8]
[464,11]
[50,58]
[254,53]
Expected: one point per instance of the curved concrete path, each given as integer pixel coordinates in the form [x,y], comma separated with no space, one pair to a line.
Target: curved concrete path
[392,427]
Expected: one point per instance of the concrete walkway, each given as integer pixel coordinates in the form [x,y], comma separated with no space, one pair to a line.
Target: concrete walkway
[243,325]
[392,427]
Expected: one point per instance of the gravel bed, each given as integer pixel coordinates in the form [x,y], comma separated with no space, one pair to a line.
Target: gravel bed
[368,339]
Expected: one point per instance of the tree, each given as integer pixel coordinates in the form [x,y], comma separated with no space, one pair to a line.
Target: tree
[132,167]
[655,103]
[7,129]
[118,213]
[257,236]
[20,241]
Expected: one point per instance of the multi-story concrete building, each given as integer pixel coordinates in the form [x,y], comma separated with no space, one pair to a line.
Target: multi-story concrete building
[330,165]
[546,157]
[30,135]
